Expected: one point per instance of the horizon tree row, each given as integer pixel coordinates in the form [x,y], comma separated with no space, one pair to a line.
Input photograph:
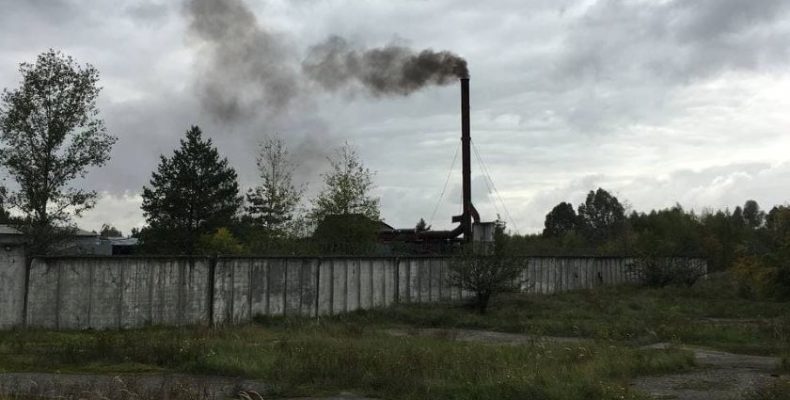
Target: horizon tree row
[193,203]
[52,134]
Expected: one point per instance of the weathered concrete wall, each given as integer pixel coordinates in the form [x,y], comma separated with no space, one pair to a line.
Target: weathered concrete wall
[107,292]
[12,286]
[123,292]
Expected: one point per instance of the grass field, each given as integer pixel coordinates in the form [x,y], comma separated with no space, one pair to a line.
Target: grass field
[353,352]
[626,315]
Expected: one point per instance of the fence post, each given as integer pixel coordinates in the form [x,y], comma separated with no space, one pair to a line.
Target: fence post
[396,298]
[317,285]
[212,268]
[26,289]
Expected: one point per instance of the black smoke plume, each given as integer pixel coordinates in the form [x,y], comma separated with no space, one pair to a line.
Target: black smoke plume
[244,70]
[393,69]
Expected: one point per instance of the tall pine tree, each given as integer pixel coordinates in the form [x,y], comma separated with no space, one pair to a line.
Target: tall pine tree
[192,193]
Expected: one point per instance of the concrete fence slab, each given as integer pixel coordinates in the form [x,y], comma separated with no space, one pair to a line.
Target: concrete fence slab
[128,292]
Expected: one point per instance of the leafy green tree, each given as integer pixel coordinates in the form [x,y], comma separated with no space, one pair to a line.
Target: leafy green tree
[52,134]
[668,232]
[221,241]
[777,224]
[273,204]
[347,188]
[489,273]
[767,275]
[422,226]
[560,220]
[346,234]
[5,216]
[753,215]
[108,231]
[601,216]
[192,193]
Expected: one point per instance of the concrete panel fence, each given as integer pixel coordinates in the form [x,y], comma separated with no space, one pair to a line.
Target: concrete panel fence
[126,292]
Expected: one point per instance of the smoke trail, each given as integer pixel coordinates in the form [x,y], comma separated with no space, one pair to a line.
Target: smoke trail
[335,64]
[243,69]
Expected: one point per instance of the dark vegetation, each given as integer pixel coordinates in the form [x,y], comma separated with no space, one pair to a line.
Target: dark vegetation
[750,243]
[192,193]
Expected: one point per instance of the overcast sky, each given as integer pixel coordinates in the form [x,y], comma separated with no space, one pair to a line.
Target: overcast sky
[659,102]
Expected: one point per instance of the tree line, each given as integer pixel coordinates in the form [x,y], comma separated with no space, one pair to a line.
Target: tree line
[52,135]
[193,205]
[749,243]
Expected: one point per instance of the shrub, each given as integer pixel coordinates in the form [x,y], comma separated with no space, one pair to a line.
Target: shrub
[662,272]
[486,276]
[764,277]
[221,241]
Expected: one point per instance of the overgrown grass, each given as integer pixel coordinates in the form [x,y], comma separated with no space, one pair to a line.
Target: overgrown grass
[352,352]
[316,358]
[629,315]
[779,390]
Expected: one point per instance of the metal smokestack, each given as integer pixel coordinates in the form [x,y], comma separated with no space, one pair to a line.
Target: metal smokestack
[466,162]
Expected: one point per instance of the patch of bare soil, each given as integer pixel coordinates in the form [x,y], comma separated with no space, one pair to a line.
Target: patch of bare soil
[139,387]
[473,335]
[341,396]
[720,376]
[126,386]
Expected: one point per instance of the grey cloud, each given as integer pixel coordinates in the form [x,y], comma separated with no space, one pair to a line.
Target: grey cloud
[617,40]
[704,20]
[243,69]
[621,59]
[149,13]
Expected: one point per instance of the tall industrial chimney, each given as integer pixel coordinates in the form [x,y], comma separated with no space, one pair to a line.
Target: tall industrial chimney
[469,213]
[466,162]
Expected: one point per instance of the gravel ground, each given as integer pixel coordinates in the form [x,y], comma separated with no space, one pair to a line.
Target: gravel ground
[720,376]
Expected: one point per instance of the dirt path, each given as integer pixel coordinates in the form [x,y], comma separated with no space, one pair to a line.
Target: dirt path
[125,386]
[139,387]
[720,376]
[474,335]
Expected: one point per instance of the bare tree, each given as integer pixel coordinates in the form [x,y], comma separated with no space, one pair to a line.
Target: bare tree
[272,205]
